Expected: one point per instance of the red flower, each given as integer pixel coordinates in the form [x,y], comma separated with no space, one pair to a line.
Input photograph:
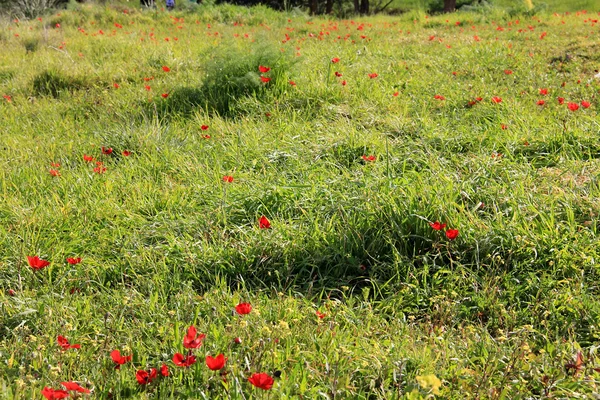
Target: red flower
[573,106]
[88,158]
[437,225]
[74,386]
[373,75]
[261,380]
[126,153]
[369,158]
[7,98]
[265,79]
[204,127]
[561,100]
[439,97]
[145,377]
[55,164]
[237,340]
[292,83]
[54,172]
[335,60]
[37,263]
[147,87]
[338,74]
[508,72]
[503,127]
[64,343]
[216,363]
[205,136]
[264,223]
[263,69]
[119,359]
[585,104]
[452,234]
[164,370]
[541,102]
[243,308]
[165,95]
[228,178]
[181,361]
[496,99]
[166,69]
[52,394]
[320,314]
[116,85]
[107,150]
[192,340]
[543,92]
[74,261]
[344,83]
[396,94]
[99,169]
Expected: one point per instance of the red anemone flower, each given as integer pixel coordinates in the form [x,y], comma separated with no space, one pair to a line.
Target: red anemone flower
[165,95]
[540,102]
[561,100]
[338,74]
[373,75]
[166,69]
[508,72]
[88,158]
[181,361]
[261,380]
[204,127]
[216,363]
[164,370]
[452,234]
[107,150]
[585,104]
[573,106]
[243,308]
[74,386]
[119,359]
[54,172]
[192,340]
[64,343]
[496,99]
[265,79]
[263,69]
[369,158]
[126,153]
[437,225]
[320,314]
[228,178]
[544,91]
[335,60]
[439,97]
[52,394]
[37,263]
[74,261]
[145,377]
[264,223]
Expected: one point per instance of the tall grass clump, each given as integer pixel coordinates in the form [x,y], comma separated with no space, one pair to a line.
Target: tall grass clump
[233,74]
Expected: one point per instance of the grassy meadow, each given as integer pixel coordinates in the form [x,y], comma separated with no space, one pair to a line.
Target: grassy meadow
[409,204]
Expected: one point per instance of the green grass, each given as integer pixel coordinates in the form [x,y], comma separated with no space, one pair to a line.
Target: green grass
[499,312]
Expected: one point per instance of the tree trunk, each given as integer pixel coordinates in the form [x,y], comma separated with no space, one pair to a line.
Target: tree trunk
[329,7]
[356,6]
[314,7]
[449,5]
[364,6]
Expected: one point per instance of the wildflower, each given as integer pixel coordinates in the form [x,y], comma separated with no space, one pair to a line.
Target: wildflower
[265,79]
[36,262]
[585,104]
[74,386]
[452,234]
[165,95]
[181,361]
[540,102]
[52,394]
[573,106]
[204,127]
[439,97]
[126,153]
[437,225]
[508,72]
[292,83]
[243,308]
[74,261]
[116,85]
[264,223]
[338,74]
[166,69]
[368,158]
[261,380]
[119,359]
[88,158]
[496,99]
[543,92]
[373,75]
[164,370]
[263,69]
[64,343]
[561,100]
[54,172]
[216,363]
[192,340]
[320,315]
[145,377]
[335,60]
[228,178]
[7,98]
[237,340]
[107,150]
